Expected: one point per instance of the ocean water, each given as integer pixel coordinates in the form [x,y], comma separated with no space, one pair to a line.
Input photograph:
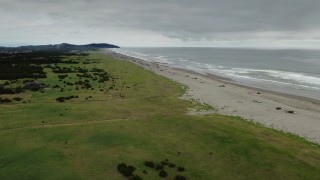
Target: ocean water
[291,71]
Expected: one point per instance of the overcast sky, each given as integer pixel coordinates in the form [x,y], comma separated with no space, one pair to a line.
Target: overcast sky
[244,23]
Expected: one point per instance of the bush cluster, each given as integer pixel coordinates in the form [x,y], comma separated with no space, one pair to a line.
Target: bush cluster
[5,100]
[63,76]
[63,70]
[63,99]
[149,164]
[17,98]
[163,173]
[16,90]
[28,65]
[181,169]
[127,171]
[161,168]
[34,86]
[179,177]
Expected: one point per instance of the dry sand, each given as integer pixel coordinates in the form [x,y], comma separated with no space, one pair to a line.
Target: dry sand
[250,103]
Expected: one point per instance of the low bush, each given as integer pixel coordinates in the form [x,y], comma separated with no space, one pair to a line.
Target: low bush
[63,99]
[149,164]
[17,98]
[5,100]
[179,177]
[181,169]
[163,174]
[159,167]
[125,170]
[171,165]
[135,177]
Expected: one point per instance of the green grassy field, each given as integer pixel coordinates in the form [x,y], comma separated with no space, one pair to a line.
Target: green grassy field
[140,119]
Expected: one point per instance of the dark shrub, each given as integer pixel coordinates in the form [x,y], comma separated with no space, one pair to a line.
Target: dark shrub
[121,165]
[63,99]
[171,165]
[6,91]
[62,76]
[145,172]
[129,170]
[34,86]
[27,80]
[17,98]
[5,100]
[178,177]
[18,90]
[164,163]
[60,99]
[135,177]
[126,170]
[149,164]
[163,174]
[159,167]
[181,169]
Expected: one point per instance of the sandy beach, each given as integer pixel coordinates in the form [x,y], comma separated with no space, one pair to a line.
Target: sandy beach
[297,115]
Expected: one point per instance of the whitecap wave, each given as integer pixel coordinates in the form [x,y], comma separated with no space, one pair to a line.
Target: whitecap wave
[274,76]
[298,77]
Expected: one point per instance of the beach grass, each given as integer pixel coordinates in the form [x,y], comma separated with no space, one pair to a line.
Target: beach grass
[142,118]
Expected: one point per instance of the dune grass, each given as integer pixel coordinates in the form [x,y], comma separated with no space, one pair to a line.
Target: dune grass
[141,119]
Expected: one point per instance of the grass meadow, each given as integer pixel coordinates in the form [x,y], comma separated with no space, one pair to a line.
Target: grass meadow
[136,117]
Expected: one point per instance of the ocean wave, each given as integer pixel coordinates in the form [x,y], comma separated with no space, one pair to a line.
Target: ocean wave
[274,76]
[298,77]
[145,57]
[279,77]
[162,59]
[138,54]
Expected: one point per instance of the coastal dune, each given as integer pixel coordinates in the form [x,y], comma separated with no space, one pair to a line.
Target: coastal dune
[297,115]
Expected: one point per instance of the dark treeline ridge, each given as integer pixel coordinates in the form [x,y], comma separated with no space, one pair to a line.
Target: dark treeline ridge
[29,65]
[39,57]
[27,71]
[64,47]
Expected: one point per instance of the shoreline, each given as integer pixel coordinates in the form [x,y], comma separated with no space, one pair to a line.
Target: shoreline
[215,77]
[230,81]
[226,80]
[297,115]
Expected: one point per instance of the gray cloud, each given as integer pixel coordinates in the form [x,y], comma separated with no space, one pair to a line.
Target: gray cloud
[180,20]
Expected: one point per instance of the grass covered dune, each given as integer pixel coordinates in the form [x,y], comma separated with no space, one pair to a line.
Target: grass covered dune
[139,117]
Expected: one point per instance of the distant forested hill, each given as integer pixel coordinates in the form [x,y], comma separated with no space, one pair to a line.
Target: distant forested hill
[58,47]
